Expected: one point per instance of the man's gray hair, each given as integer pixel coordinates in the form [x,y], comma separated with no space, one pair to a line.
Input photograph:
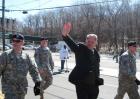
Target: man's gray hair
[92,35]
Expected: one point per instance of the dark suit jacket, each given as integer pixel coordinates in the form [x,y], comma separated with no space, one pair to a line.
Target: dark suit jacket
[86,60]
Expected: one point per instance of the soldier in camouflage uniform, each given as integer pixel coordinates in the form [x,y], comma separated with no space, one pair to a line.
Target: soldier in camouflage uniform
[127,73]
[14,67]
[44,62]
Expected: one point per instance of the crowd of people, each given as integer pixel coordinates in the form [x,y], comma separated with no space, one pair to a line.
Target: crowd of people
[15,65]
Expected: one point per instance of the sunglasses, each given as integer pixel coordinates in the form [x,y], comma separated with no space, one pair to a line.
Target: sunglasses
[17,41]
[134,46]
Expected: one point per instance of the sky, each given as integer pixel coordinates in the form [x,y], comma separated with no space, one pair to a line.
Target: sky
[34,4]
[30,4]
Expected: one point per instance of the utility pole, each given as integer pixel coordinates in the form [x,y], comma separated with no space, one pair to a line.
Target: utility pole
[3,24]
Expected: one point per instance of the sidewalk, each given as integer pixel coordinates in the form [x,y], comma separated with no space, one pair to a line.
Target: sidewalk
[113,72]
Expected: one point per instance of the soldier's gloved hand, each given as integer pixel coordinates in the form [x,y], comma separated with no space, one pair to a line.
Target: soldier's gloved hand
[37,88]
[137,82]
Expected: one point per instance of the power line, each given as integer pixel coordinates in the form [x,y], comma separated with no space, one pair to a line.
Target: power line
[29,2]
[42,3]
[65,6]
[24,3]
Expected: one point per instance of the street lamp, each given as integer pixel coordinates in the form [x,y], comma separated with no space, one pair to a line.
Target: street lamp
[3,24]
[25,12]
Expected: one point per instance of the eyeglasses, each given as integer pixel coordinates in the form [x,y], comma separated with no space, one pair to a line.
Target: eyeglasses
[17,41]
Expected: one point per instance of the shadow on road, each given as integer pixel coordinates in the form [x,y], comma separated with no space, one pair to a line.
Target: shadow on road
[58,72]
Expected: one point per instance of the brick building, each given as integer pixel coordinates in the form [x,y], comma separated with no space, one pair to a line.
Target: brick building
[9,26]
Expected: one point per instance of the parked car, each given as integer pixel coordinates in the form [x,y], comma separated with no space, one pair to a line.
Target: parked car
[6,47]
[9,45]
[28,47]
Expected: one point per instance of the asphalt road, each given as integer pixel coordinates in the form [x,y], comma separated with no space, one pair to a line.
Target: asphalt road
[62,89]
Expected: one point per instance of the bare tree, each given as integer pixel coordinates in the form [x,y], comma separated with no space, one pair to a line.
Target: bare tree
[114,22]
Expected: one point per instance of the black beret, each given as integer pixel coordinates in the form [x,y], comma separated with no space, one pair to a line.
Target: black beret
[18,36]
[43,38]
[132,43]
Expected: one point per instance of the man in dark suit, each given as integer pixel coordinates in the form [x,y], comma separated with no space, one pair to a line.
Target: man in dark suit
[87,64]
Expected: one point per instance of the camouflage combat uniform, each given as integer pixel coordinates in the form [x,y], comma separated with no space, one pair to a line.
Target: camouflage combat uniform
[14,69]
[127,76]
[45,65]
